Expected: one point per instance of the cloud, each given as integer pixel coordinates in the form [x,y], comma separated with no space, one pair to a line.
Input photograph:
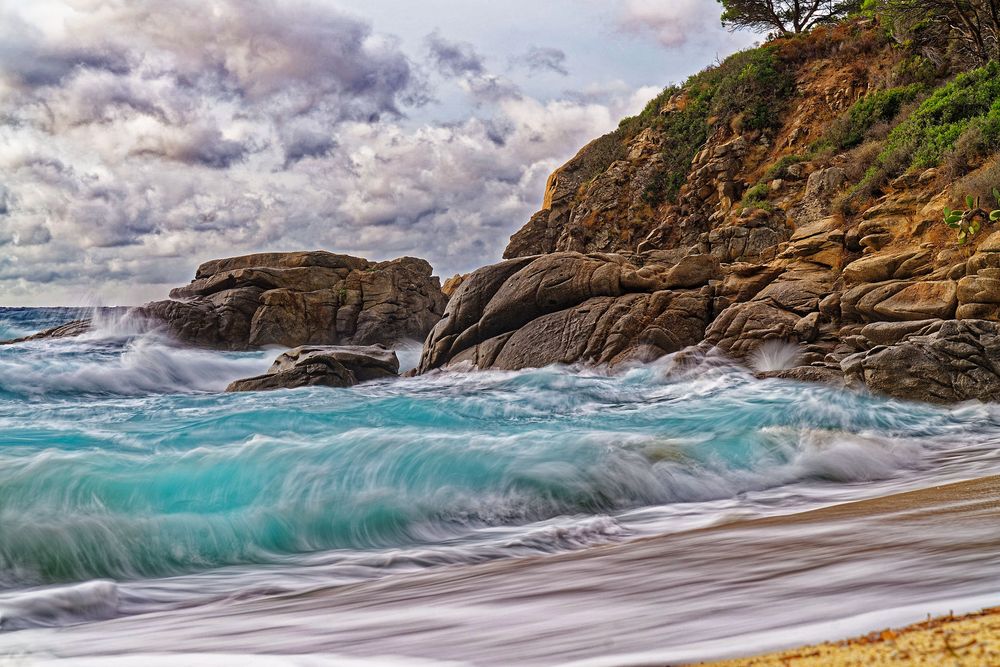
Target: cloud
[453,59]
[543,59]
[673,23]
[460,61]
[140,138]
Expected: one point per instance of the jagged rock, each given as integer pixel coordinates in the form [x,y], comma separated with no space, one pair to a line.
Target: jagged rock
[979,295]
[875,242]
[785,310]
[741,328]
[987,255]
[743,282]
[565,308]
[747,243]
[692,271]
[299,298]
[900,300]
[920,301]
[942,362]
[450,285]
[593,203]
[821,187]
[890,333]
[326,366]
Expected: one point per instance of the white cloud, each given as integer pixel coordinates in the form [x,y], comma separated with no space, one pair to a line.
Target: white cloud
[140,138]
[675,23]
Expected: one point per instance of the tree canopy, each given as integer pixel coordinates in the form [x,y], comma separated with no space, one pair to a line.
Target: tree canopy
[970,29]
[784,16]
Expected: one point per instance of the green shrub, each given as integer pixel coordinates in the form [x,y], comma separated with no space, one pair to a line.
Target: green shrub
[752,84]
[970,100]
[969,105]
[756,197]
[916,68]
[969,221]
[757,193]
[882,106]
[780,168]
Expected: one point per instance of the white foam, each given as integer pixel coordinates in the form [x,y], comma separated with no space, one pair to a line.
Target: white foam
[775,355]
[52,607]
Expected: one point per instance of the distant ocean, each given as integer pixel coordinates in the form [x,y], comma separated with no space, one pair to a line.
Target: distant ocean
[133,492]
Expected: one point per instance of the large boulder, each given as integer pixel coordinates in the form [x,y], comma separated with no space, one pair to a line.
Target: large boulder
[568,307]
[323,366]
[940,361]
[784,310]
[302,298]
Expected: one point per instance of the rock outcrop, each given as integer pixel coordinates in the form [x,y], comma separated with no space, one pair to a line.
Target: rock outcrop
[301,298]
[323,366]
[68,330]
[940,361]
[569,307]
[750,248]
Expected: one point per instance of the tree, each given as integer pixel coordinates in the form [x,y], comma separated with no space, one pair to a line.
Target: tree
[786,17]
[970,27]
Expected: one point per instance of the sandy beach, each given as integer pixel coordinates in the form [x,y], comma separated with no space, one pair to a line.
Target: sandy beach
[972,639]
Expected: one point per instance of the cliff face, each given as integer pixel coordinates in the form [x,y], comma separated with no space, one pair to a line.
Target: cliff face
[809,177]
[617,194]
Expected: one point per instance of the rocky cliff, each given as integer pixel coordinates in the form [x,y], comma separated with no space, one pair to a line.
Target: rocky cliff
[793,193]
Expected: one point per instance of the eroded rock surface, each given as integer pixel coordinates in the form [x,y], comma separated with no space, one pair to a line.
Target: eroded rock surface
[942,361]
[569,307]
[323,366]
[299,298]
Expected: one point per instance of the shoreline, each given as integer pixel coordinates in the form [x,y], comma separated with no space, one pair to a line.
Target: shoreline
[480,607]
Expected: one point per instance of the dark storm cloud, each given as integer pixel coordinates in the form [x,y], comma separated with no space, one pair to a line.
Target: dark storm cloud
[203,146]
[27,65]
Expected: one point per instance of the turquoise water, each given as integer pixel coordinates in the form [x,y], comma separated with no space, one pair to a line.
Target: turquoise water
[130,483]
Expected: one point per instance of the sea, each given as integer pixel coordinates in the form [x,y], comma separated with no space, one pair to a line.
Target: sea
[662,513]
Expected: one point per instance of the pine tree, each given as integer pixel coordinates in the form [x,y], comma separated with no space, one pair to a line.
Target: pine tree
[784,16]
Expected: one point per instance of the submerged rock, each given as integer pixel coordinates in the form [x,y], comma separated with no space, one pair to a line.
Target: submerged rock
[300,298]
[323,366]
[68,330]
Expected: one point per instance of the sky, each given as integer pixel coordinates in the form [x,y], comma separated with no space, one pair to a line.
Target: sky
[140,138]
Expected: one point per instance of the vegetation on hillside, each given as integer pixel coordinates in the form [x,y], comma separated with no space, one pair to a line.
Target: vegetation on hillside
[935,103]
[865,117]
[748,90]
[958,123]
[965,32]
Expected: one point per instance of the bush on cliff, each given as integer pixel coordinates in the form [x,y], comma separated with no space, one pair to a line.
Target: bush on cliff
[963,114]
[882,106]
[747,89]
